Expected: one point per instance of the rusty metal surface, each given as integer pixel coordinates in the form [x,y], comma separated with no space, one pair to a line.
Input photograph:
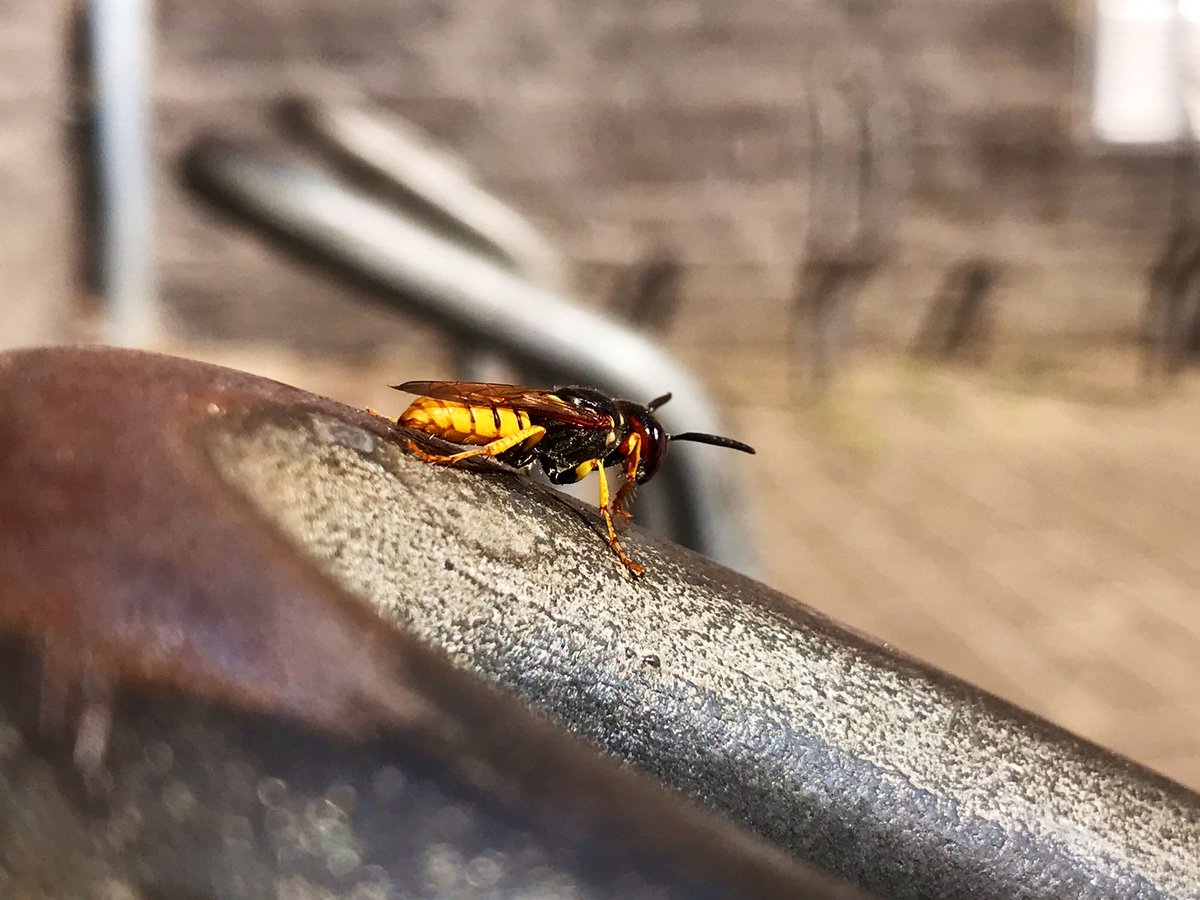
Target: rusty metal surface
[191,709]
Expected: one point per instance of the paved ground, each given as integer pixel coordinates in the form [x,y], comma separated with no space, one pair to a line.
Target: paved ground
[1033,528]
[1035,531]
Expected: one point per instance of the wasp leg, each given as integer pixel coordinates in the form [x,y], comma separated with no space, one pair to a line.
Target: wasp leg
[376,412]
[625,494]
[623,497]
[633,567]
[495,448]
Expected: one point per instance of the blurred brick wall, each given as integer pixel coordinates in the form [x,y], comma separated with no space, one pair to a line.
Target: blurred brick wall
[36,265]
[620,125]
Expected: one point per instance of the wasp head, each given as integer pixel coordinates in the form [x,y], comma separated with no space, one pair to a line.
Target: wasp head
[644,435]
[654,438]
[642,428]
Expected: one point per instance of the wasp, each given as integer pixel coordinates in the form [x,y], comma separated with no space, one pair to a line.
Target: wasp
[570,431]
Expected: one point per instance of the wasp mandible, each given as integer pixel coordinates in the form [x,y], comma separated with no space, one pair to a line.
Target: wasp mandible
[570,431]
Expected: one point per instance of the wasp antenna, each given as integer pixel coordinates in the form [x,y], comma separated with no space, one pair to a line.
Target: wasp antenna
[713,439]
[657,402]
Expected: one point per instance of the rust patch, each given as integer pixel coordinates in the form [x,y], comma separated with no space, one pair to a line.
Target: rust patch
[124,557]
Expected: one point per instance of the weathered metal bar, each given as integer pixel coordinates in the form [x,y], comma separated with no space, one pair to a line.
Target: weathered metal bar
[188,708]
[860,760]
[851,757]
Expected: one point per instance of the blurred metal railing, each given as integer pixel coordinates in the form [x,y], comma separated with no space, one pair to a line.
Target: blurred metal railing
[427,175]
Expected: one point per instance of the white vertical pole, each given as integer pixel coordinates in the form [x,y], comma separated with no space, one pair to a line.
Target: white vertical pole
[121,34]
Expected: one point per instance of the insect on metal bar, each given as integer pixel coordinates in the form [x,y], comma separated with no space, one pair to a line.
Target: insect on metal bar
[570,431]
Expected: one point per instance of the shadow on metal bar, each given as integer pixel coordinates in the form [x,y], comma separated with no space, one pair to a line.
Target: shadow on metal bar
[190,709]
[484,302]
[141,547]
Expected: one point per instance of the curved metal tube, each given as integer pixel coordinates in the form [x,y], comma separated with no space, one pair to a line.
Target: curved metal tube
[540,329]
[405,157]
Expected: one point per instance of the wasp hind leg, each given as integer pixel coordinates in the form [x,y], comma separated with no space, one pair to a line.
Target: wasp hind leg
[633,567]
[488,451]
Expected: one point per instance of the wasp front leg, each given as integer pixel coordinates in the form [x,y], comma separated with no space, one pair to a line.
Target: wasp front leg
[624,498]
[633,458]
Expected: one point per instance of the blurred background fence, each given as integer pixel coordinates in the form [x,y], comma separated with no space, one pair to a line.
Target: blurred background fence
[932,258]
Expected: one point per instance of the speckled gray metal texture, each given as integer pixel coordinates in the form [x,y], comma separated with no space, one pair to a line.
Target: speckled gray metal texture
[867,763]
[190,709]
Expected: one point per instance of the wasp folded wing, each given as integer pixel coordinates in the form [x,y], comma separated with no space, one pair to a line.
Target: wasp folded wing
[529,399]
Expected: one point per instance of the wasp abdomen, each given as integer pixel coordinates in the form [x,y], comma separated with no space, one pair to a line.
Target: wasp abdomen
[463,423]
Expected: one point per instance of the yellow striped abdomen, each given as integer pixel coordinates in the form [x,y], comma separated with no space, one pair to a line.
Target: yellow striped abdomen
[463,423]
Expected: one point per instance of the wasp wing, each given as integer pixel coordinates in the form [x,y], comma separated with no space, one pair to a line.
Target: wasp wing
[529,399]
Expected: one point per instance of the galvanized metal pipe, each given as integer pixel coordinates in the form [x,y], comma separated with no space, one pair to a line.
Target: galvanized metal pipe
[407,158]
